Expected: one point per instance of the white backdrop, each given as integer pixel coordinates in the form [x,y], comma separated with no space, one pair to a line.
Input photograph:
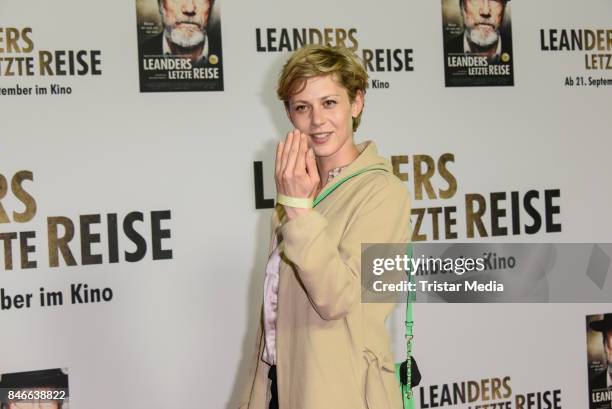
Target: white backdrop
[177,331]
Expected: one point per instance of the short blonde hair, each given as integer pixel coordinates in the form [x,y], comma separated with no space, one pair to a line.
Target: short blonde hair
[321,60]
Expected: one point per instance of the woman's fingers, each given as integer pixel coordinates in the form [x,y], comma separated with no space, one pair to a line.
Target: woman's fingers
[293,154]
[277,165]
[296,169]
[285,154]
[311,168]
[300,162]
[279,155]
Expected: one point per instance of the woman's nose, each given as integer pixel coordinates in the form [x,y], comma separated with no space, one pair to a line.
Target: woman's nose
[318,116]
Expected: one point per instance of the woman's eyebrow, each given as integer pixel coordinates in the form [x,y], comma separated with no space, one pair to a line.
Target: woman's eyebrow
[321,98]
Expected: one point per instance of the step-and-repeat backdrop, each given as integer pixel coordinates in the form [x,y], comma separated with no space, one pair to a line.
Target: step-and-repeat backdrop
[136,185]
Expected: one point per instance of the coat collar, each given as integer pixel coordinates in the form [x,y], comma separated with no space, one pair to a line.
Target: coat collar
[368,156]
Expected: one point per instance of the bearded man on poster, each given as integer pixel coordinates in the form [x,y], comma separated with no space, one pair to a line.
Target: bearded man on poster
[482,34]
[185,31]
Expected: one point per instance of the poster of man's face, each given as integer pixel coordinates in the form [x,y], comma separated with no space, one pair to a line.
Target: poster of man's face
[179,45]
[482,20]
[477,43]
[185,21]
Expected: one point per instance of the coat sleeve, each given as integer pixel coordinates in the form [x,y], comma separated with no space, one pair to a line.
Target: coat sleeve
[331,272]
[254,393]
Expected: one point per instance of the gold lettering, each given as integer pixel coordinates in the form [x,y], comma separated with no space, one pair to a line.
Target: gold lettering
[8,249]
[3,191]
[417,225]
[474,217]
[447,176]
[44,61]
[25,198]
[396,161]
[57,244]
[423,179]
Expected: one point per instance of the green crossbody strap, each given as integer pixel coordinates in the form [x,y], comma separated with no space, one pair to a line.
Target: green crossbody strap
[407,395]
[333,187]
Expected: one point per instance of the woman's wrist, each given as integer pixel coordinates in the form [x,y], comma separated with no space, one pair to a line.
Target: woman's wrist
[293,212]
[290,201]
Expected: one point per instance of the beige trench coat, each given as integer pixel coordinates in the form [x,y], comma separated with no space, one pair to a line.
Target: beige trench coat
[333,352]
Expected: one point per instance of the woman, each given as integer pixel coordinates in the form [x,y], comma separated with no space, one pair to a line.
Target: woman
[320,347]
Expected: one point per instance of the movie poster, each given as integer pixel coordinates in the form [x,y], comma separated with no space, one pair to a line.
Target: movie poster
[179,45]
[599,355]
[477,43]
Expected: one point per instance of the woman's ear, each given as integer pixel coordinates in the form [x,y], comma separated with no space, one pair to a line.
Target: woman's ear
[357,105]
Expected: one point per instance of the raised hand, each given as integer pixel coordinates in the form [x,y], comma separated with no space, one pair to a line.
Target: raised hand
[296,172]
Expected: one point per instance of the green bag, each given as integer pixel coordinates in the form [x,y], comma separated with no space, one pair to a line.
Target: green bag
[406,389]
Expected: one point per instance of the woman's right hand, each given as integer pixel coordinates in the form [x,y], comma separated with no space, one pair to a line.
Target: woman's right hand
[296,172]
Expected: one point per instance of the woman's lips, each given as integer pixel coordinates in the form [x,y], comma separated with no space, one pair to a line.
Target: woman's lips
[320,137]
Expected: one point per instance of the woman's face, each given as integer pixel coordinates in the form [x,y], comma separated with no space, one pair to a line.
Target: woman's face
[322,111]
